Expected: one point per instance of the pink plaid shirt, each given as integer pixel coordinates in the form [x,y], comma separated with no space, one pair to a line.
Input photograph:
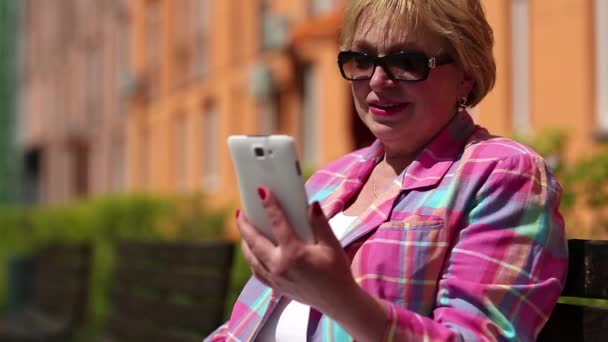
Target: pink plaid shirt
[467,244]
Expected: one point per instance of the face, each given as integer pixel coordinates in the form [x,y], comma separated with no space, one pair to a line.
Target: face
[405,116]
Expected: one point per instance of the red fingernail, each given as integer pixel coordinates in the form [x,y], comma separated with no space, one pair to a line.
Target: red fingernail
[238,212]
[262,193]
[316,209]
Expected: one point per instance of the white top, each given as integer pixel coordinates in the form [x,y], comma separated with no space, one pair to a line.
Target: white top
[288,321]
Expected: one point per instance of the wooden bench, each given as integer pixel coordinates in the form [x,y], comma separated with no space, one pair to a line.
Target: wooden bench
[587,278]
[170,292]
[58,304]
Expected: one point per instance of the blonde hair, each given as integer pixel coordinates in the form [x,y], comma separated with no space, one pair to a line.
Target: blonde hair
[460,25]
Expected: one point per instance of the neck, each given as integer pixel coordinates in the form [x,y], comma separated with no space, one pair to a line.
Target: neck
[395,163]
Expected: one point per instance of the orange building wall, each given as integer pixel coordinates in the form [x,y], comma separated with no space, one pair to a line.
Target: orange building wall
[494,111]
[561,34]
[234,49]
[562,71]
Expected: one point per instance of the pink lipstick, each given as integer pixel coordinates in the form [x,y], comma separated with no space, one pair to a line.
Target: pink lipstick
[386,108]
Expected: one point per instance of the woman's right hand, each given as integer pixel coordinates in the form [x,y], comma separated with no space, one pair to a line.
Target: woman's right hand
[314,273]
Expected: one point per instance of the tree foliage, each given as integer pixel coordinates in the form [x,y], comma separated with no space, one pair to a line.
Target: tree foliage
[584,181]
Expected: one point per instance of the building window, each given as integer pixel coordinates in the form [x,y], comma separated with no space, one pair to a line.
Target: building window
[181,153]
[201,16]
[265,17]
[310,110]
[274,28]
[32,176]
[92,83]
[268,118]
[117,167]
[191,40]
[153,48]
[123,68]
[601,36]
[183,41]
[181,51]
[263,90]
[520,47]
[320,7]
[144,159]
[210,149]
[79,159]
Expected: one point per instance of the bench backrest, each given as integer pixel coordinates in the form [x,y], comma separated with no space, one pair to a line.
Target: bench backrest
[587,278]
[169,291]
[61,283]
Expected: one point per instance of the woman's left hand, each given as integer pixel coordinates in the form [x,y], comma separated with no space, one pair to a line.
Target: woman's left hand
[314,273]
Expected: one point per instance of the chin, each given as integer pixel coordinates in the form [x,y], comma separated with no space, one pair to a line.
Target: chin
[385,132]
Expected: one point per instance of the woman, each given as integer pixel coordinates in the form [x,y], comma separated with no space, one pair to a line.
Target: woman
[441,232]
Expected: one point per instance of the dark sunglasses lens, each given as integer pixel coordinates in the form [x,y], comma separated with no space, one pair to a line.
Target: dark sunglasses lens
[357,66]
[408,67]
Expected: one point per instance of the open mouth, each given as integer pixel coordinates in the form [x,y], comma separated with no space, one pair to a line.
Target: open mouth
[387,106]
[386,109]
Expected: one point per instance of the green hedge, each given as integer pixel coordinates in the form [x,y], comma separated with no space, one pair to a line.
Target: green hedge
[102,222]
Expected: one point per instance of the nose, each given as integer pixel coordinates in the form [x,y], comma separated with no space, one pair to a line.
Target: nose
[380,79]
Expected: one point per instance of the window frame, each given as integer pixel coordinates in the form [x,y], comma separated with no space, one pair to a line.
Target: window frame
[520,55]
[210,138]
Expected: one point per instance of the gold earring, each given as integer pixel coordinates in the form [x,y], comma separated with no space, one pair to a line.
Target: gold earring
[462,104]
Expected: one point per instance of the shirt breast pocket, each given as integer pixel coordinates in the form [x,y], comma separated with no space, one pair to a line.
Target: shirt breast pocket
[401,261]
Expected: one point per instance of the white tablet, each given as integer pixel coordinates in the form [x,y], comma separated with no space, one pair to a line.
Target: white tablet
[270,161]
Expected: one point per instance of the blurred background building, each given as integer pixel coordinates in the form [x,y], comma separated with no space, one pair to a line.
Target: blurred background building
[141,95]
[75,82]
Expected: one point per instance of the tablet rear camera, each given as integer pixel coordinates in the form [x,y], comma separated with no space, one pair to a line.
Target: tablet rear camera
[258,151]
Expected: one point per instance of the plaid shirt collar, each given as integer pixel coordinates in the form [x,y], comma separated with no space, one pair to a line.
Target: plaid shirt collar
[434,160]
[427,169]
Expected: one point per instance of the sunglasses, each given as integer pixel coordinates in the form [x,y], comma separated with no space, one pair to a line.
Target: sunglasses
[399,66]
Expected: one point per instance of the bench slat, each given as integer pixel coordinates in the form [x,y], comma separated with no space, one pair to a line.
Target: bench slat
[595,324]
[576,323]
[168,280]
[126,329]
[196,317]
[68,271]
[588,269]
[216,255]
[63,299]
[63,252]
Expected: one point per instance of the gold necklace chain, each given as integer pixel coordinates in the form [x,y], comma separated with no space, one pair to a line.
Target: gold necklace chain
[374,173]
[374,185]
